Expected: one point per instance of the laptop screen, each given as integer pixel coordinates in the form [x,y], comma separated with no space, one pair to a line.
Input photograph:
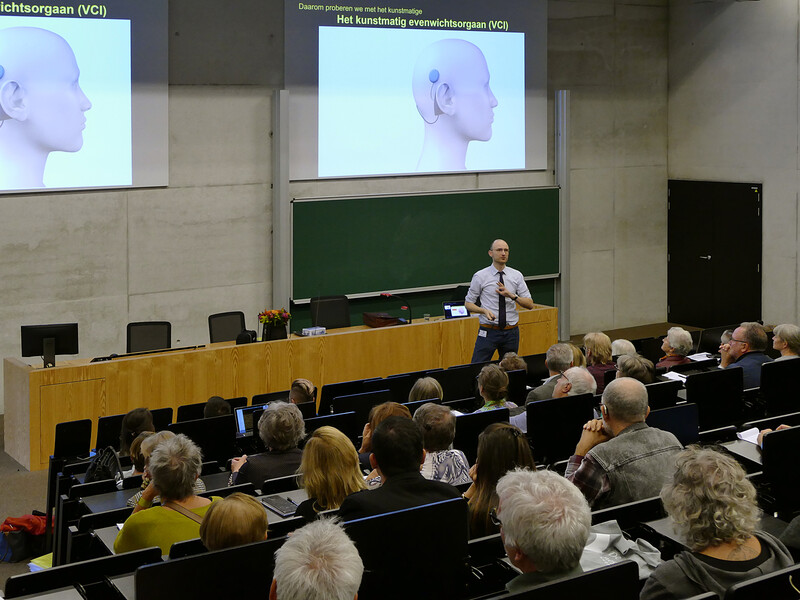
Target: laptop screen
[454,309]
[244,419]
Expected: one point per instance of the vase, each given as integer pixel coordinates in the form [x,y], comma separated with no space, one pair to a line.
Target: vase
[274,332]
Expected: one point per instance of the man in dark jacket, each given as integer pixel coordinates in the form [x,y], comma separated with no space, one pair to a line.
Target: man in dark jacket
[746,351]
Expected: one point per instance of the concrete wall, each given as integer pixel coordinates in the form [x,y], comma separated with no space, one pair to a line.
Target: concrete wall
[733,116]
[203,245]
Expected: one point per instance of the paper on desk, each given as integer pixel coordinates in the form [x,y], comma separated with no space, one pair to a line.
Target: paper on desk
[674,376]
[700,356]
[749,435]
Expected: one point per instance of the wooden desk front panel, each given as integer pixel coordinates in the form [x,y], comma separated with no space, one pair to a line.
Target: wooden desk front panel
[80,389]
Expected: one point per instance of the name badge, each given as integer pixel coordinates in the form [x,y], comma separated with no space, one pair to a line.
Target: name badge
[481,333]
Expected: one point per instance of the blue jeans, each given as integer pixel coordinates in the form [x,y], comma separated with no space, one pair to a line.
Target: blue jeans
[502,340]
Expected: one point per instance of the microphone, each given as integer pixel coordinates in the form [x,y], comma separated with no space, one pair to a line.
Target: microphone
[407,303]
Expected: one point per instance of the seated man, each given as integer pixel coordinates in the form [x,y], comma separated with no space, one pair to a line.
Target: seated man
[318,562]
[557,360]
[620,459]
[574,381]
[746,351]
[397,454]
[544,524]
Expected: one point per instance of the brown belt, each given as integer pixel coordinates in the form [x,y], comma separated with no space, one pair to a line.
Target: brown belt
[498,328]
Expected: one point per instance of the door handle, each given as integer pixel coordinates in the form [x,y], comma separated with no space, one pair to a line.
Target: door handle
[706,257]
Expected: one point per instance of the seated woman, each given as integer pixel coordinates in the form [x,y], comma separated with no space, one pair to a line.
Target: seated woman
[677,345]
[598,357]
[174,466]
[578,358]
[493,387]
[377,415]
[137,457]
[713,506]
[501,448]
[148,445]
[786,340]
[425,388]
[622,346]
[281,428]
[234,521]
[134,423]
[442,461]
[636,367]
[331,472]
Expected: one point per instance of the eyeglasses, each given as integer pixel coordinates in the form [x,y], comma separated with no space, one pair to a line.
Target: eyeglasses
[494,519]
[739,341]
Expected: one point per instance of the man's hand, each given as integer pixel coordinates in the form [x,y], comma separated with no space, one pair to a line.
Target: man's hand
[725,357]
[764,432]
[591,435]
[501,289]
[236,463]
[489,314]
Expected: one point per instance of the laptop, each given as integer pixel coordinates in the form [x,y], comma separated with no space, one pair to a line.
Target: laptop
[245,423]
[454,309]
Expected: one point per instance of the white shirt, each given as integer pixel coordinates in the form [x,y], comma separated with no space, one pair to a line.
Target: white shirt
[484,286]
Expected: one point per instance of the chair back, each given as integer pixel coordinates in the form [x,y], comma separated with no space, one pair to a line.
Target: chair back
[517,389]
[779,450]
[344,422]
[778,584]
[108,430]
[709,338]
[270,397]
[276,485]
[681,421]
[632,513]
[237,402]
[554,425]
[388,542]
[662,394]
[456,382]
[162,417]
[718,395]
[361,403]
[185,548]
[470,426]
[215,436]
[146,336]
[780,384]
[106,518]
[650,348]
[413,406]
[190,412]
[537,369]
[225,327]
[619,581]
[334,390]
[331,312]
[73,439]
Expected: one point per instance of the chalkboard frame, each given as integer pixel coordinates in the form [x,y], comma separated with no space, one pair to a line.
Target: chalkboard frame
[361,246]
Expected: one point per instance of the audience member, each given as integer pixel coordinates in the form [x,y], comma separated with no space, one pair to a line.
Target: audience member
[397,455]
[426,388]
[216,406]
[746,351]
[146,448]
[574,381]
[377,415]
[637,367]
[330,472]
[442,461]
[174,466]
[622,346]
[137,457]
[619,458]
[578,358]
[318,562]
[558,359]
[501,448]
[598,356]
[513,362]
[544,524]
[134,423]
[713,506]
[677,345]
[234,521]
[281,428]
[493,387]
[786,340]
[301,391]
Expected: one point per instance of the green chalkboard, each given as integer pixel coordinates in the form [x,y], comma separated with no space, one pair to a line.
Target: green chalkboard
[393,243]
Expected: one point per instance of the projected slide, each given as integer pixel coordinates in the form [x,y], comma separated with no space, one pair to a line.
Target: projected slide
[68,96]
[380,89]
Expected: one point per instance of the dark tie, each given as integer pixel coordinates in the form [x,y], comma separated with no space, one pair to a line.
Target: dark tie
[501,314]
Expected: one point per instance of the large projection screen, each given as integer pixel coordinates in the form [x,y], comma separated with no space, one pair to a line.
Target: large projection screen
[394,88]
[83,95]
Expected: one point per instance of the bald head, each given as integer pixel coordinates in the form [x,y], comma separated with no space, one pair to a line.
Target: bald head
[626,400]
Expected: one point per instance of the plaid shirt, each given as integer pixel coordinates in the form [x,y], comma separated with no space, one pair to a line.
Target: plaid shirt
[590,478]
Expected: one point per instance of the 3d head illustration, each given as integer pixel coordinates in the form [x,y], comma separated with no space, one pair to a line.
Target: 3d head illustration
[42,105]
[453,97]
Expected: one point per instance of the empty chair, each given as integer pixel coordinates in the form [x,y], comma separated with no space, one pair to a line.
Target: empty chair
[108,429]
[215,436]
[718,395]
[650,348]
[162,417]
[779,450]
[73,439]
[276,485]
[190,412]
[709,338]
[780,383]
[334,390]
[283,396]
[554,425]
[361,404]
[456,382]
[469,427]
[225,327]
[662,394]
[344,422]
[517,390]
[330,312]
[681,421]
[149,335]
[537,370]
[779,584]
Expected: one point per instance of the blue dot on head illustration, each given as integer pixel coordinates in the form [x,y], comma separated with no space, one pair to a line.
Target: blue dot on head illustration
[451,90]
[41,102]
[2,71]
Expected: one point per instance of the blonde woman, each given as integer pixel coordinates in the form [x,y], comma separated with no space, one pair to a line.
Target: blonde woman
[234,521]
[598,357]
[330,472]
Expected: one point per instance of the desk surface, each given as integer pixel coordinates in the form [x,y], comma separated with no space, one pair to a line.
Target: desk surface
[747,453]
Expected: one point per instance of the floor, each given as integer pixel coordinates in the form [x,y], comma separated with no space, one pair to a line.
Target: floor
[22,491]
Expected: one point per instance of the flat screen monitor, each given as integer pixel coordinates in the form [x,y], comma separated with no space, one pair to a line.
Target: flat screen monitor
[83,95]
[48,340]
[378,87]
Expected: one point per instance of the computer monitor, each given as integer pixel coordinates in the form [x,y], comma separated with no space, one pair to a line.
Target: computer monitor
[48,340]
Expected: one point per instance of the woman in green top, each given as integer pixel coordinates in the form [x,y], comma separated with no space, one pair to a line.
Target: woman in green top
[493,387]
[173,469]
